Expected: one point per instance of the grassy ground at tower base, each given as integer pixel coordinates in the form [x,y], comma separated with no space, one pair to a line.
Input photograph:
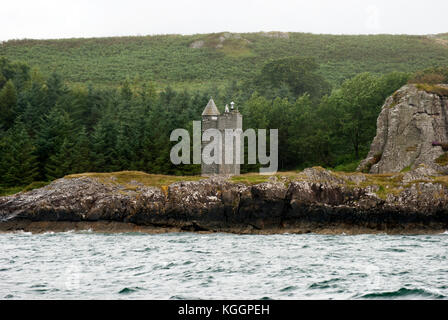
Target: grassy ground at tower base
[387,183]
[132,179]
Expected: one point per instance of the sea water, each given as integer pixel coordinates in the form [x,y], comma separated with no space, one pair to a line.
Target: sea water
[87,265]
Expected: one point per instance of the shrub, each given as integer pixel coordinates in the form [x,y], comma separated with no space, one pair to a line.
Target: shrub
[35,185]
[431,76]
[347,167]
[439,90]
[6,191]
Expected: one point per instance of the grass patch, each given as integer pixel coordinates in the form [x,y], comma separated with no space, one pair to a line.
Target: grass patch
[36,185]
[387,183]
[382,193]
[431,88]
[396,96]
[255,178]
[347,167]
[9,190]
[13,190]
[406,169]
[442,180]
[132,179]
[393,104]
[250,178]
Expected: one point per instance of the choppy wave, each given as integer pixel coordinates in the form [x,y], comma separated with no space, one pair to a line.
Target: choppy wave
[129,290]
[404,293]
[88,265]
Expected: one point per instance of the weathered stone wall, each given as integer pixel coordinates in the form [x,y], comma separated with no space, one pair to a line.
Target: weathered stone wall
[229,120]
[208,122]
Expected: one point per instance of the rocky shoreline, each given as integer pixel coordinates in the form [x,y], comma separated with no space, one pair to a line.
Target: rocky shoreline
[314,200]
[39,227]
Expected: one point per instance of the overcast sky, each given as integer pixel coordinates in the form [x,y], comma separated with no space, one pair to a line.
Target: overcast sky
[42,19]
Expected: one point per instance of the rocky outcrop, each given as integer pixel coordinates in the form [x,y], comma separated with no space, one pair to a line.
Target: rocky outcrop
[218,41]
[411,130]
[312,200]
[275,34]
[197,44]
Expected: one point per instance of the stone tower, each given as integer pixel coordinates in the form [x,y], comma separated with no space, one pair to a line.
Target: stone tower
[230,119]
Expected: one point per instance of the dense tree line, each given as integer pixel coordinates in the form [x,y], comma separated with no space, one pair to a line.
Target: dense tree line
[48,130]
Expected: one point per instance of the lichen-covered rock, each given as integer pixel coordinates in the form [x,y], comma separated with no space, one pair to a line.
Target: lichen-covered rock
[422,172]
[314,198]
[319,174]
[197,44]
[411,129]
[275,34]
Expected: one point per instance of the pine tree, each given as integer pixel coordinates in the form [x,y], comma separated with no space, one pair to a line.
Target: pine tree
[126,91]
[56,88]
[19,157]
[124,148]
[4,144]
[8,105]
[60,163]
[104,140]
[81,153]
[2,80]
[35,101]
[55,128]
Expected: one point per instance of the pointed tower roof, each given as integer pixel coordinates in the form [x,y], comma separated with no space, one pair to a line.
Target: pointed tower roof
[210,109]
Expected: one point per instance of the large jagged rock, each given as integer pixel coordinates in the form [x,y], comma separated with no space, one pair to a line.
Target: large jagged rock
[411,129]
[311,200]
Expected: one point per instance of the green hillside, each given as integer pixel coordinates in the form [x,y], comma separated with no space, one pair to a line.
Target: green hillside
[197,60]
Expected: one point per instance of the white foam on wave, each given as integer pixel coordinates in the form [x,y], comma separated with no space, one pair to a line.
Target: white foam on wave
[69,231]
[86,231]
[23,232]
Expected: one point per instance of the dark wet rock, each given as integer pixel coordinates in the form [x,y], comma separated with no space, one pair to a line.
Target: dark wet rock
[315,198]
